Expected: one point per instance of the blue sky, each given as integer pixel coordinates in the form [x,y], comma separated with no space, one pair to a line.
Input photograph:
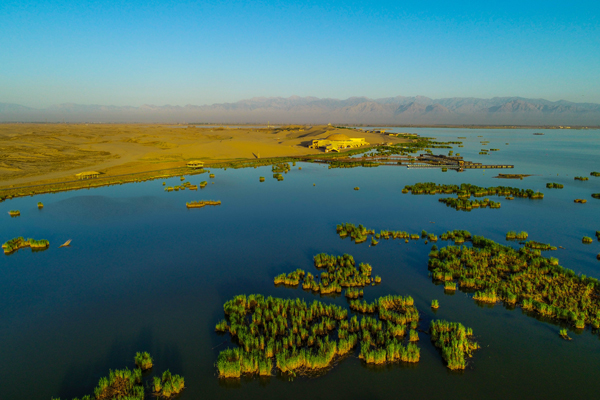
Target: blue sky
[202,52]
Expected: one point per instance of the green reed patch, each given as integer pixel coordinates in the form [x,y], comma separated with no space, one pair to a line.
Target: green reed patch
[455,342]
[501,273]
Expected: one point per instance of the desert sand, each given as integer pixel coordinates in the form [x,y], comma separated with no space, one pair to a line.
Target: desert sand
[45,153]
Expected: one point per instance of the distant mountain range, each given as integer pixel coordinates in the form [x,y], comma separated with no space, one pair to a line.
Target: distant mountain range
[313,110]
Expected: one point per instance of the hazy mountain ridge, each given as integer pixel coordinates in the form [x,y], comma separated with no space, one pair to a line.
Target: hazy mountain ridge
[295,109]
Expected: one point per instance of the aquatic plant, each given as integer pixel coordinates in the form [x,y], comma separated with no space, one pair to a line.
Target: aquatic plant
[435,304]
[211,176]
[466,190]
[202,203]
[595,173]
[203,184]
[596,195]
[468,205]
[512,235]
[14,213]
[539,246]
[143,360]
[564,334]
[261,179]
[282,167]
[554,186]
[40,204]
[18,243]
[587,239]
[581,178]
[581,200]
[455,342]
[501,273]
[356,188]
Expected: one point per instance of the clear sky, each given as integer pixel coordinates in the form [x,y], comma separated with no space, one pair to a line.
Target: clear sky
[202,52]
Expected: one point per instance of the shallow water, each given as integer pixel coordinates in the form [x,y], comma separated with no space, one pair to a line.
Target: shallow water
[145,273]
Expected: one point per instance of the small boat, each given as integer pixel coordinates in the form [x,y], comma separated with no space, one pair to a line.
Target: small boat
[67,243]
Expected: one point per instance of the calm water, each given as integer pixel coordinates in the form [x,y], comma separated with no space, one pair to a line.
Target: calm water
[145,273]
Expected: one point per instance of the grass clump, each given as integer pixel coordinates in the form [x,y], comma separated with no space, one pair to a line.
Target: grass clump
[202,203]
[435,304]
[564,334]
[40,204]
[595,174]
[143,360]
[18,243]
[581,178]
[582,201]
[554,186]
[261,179]
[455,342]
[468,205]
[14,213]
[512,235]
[587,239]
[539,246]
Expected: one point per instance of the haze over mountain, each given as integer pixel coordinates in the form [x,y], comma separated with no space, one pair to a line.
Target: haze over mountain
[313,110]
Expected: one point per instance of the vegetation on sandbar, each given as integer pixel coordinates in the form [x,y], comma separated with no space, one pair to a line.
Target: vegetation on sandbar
[202,203]
[18,243]
[501,273]
[554,185]
[455,342]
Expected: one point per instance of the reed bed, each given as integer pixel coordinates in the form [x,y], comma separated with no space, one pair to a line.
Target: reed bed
[582,201]
[581,178]
[435,304]
[539,246]
[126,384]
[596,195]
[293,337]
[279,177]
[40,204]
[261,179]
[143,360]
[18,243]
[281,168]
[202,203]
[512,235]
[455,342]
[587,239]
[595,174]
[466,190]
[554,186]
[203,184]
[501,273]
[468,205]
[340,272]
[14,213]
[564,334]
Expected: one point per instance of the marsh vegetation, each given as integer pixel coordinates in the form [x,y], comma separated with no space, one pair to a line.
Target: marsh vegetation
[18,243]
[501,273]
[454,341]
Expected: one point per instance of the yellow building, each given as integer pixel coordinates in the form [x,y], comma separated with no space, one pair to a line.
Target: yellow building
[337,142]
[195,164]
[87,175]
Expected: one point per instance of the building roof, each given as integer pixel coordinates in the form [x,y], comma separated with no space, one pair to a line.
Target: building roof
[87,173]
[338,136]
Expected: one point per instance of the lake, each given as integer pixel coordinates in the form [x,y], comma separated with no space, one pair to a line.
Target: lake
[144,273]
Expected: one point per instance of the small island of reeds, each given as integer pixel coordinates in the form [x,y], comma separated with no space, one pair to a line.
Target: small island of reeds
[293,337]
[341,272]
[512,235]
[18,243]
[202,203]
[468,205]
[455,342]
[581,201]
[14,213]
[466,190]
[40,204]
[581,178]
[126,384]
[595,174]
[554,186]
[501,273]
